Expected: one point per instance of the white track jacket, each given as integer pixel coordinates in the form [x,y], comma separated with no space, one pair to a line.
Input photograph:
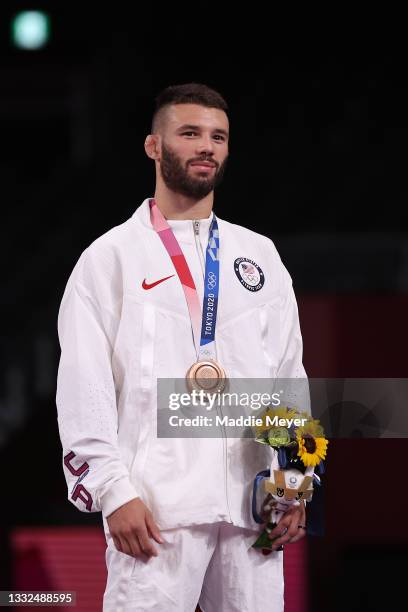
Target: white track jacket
[118,337]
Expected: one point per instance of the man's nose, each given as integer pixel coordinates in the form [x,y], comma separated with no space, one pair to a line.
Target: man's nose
[205,145]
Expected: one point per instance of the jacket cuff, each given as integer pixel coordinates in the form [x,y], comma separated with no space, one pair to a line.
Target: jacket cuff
[121,492]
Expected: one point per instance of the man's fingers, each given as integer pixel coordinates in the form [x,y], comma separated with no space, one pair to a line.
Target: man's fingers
[125,547]
[293,527]
[280,533]
[133,528]
[128,544]
[299,532]
[117,543]
[287,529]
[280,541]
[299,535]
[153,529]
[289,525]
[146,543]
[281,526]
[134,546]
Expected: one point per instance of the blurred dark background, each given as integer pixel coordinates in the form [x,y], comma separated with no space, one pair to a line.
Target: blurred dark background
[317,163]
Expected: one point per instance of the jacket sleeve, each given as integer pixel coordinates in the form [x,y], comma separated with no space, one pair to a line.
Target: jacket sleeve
[96,475]
[291,347]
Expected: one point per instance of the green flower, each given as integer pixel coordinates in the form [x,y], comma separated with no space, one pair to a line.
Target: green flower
[278,436]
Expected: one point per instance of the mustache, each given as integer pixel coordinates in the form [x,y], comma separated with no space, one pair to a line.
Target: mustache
[203,159]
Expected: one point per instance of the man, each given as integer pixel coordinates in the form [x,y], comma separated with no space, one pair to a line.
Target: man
[176,511]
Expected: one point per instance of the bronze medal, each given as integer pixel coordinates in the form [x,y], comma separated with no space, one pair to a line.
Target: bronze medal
[207,376]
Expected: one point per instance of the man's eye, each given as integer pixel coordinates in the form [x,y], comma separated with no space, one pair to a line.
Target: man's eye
[190,133]
[219,137]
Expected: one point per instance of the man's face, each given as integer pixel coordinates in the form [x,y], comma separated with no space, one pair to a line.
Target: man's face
[194,149]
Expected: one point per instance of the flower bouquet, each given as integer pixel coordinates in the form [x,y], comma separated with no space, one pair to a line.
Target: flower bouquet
[298,447]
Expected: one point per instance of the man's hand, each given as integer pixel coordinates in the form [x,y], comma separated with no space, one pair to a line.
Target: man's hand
[291,527]
[132,527]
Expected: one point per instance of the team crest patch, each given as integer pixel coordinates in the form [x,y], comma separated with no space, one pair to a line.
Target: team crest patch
[249,274]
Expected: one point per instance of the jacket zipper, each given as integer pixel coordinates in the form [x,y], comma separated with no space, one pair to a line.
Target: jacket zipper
[196,228]
[225,456]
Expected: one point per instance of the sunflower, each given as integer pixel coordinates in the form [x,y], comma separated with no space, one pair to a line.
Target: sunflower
[311,450]
[311,428]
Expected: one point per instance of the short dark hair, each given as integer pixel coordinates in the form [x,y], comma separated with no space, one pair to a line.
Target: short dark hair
[187,93]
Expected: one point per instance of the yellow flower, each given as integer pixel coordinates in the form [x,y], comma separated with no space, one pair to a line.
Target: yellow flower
[281,413]
[311,428]
[311,450]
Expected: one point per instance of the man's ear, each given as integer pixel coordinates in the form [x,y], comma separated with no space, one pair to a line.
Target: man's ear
[152,146]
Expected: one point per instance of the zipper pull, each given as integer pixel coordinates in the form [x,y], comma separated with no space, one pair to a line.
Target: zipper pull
[196,225]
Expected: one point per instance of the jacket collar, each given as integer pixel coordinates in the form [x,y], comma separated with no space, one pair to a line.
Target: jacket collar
[182,229]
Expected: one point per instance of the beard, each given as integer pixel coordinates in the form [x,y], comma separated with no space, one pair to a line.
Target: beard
[176,177]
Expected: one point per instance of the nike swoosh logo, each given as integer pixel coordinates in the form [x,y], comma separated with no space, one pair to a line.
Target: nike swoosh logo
[151,285]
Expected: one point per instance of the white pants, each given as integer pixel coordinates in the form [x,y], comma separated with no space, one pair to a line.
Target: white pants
[206,564]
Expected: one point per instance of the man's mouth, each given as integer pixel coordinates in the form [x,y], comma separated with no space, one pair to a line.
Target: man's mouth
[203,164]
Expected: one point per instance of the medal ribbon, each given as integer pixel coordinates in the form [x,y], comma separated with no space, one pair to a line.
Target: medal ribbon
[206,318]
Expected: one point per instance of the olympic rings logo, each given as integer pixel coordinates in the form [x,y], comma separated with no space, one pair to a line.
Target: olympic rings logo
[211,281]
